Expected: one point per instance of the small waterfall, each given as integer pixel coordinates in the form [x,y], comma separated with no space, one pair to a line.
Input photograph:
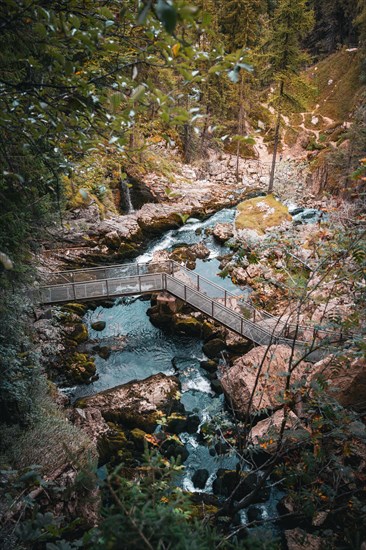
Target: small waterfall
[126,202]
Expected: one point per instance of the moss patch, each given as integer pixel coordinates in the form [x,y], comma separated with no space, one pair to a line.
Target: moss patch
[261,213]
[75,307]
[80,368]
[80,333]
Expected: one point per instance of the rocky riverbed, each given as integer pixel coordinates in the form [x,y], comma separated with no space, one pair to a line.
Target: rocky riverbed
[179,401]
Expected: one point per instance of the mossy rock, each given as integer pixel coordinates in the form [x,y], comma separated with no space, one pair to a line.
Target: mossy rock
[104,352]
[127,250]
[261,213]
[80,333]
[114,446]
[172,448]
[213,348]
[187,325]
[80,368]
[98,325]
[209,330]
[145,422]
[74,307]
[176,423]
[138,438]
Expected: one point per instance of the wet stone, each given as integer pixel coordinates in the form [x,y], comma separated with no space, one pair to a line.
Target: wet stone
[200,478]
[173,449]
[98,325]
[216,386]
[193,422]
[209,366]
[254,513]
[222,448]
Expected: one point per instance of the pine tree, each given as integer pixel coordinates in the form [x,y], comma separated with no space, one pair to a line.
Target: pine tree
[292,21]
[240,21]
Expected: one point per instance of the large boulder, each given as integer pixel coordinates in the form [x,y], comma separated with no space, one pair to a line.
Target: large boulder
[138,404]
[223,232]
[214,347]
[257,379]
[90,421]
[266,432]
[261,213]
[239,484]
[346,378]
[200,250]
[187,324]
[297,539]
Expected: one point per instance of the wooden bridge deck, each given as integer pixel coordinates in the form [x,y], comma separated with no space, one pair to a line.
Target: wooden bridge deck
[232,311]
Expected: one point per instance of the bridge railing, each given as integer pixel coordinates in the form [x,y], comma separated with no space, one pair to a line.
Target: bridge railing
[132,278]
[107,272]
[100,288]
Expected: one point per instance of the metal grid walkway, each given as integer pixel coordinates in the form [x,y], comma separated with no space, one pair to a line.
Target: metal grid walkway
[232,311]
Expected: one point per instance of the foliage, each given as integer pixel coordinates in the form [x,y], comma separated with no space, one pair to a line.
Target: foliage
[290,24]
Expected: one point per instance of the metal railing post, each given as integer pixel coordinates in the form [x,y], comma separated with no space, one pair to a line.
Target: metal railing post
[137,269]
[212,308]
[241,326]
[185,293]
[198,283]
[107,287]
[225,298]
[73,290]
[139,279]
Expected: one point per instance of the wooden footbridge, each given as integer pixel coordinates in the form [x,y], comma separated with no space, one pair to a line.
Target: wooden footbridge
[234,312]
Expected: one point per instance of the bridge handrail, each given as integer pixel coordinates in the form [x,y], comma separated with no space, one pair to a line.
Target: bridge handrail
[171,264]
[248,303]
[247,322]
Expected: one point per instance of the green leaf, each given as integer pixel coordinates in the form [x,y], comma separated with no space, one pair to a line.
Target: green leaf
[138,92]
[144,13]
[116,99]
[167,15]
[105,12]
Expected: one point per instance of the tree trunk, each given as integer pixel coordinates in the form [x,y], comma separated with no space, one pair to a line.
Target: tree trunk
[241,125]
[276,141]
